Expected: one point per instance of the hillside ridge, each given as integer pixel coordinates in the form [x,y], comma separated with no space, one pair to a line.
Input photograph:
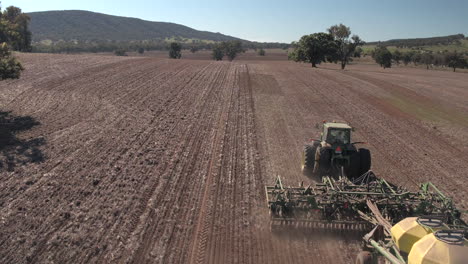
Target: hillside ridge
[84,25]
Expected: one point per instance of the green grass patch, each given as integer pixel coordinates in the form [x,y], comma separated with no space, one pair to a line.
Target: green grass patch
[428,111]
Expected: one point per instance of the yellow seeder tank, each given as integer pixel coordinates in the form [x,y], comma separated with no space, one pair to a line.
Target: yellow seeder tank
[441,247]
[409,230]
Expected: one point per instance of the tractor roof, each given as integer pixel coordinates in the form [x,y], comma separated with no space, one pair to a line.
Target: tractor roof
[336,125]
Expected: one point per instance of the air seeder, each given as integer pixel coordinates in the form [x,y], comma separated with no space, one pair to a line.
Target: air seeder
[366,205]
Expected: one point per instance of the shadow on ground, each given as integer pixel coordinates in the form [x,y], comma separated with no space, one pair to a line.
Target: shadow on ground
[15,151]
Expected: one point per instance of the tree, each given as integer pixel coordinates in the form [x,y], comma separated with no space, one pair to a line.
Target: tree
[261,52]
[120,52]
[383,57]
[194,49]
[11,13]
[416,58]
[407,56]
[14,29]
[427,58]
[346,46]
[10,68]
[232,48]
[141,50]
[455,60]
[397,56]
[218,51]
[357,52]
[314,48]
[175,50]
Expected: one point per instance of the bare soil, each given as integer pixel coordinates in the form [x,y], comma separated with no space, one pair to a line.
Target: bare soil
[151,160]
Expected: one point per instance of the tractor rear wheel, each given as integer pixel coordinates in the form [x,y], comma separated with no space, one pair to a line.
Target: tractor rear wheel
[354,168]
[309,156]
[364,257]
[365,160]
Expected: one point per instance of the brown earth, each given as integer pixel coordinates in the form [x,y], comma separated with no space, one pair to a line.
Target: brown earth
[149,160]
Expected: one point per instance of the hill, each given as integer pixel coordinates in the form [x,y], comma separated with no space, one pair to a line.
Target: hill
[76,25]
[419,42]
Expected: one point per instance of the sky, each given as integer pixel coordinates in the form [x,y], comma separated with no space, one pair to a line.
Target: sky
[284,21]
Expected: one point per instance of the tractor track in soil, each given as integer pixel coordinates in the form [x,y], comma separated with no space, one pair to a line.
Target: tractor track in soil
[149,160]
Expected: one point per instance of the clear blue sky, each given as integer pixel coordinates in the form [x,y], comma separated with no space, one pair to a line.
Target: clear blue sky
[285,21]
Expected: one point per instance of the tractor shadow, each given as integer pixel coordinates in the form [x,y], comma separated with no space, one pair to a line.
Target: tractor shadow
[13,150]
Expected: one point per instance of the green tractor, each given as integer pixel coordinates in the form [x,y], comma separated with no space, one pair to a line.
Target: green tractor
[335,154]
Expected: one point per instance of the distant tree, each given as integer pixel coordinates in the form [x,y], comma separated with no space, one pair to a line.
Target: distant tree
[440,59]
[346,46]
[455,60]
[261,52]
[427,58]
[407,57]
[218,51]
[383,57]
[232,48]
[397,56]
[141,50]
[175,50]
[314,48]
[10,68]
[357,52]
[193,49]
[416,58]
[120,52]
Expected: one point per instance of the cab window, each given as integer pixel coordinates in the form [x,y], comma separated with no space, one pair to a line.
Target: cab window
[338,136]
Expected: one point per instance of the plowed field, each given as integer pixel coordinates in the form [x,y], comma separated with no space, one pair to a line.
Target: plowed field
[150,160]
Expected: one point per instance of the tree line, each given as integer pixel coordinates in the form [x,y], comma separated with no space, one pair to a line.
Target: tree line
[337,45]
[418,42]
[385,58]
[128,46]
[14,35]
[219,50]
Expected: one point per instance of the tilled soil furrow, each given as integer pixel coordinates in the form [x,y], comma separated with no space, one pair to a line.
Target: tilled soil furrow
[195,148]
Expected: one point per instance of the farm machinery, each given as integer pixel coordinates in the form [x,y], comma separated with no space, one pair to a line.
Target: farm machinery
[340,204]
[351,198]
[367,203]
[335,154]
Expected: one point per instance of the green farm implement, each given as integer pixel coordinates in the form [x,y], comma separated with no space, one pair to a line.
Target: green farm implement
[340,204]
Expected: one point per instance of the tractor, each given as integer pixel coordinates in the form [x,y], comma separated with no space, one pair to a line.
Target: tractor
[334,153]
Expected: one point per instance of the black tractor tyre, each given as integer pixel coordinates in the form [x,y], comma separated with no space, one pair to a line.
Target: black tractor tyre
[354,169]
[365,160]
[309,155]
[322,161]
[364,257]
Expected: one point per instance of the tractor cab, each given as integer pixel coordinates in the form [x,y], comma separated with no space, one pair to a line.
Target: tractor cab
[336,133]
